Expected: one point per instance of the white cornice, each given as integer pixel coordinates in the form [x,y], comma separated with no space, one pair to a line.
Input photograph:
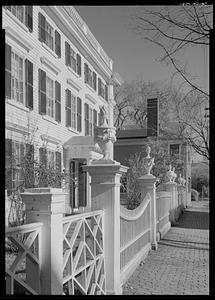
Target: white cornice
[89,97]
[50,65]
[50,139]
[74,84]
[16,127]
[13,34]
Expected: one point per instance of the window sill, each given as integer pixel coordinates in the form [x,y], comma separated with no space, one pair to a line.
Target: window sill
[73,130]
[73,72]
[90,88]
[50,120]
[17,104]
[49,50]
[17,21]
[103,99]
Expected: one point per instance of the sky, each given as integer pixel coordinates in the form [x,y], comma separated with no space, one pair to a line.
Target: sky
[133,56]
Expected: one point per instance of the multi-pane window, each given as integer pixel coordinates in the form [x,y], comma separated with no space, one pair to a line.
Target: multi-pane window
[174,150]
[72,59]
[17,67]
[50,97]
[23,13]
[90,76]
[49,31]
[102,89]
[17,156]
[90,121]
[73,112]
[51,159]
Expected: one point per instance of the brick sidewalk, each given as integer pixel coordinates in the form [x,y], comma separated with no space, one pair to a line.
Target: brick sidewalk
[180,266]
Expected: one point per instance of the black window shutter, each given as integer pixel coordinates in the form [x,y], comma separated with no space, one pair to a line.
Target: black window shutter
[106,92]
[94,81]
[8,165]
[78,64]
[29,168]
[86,112]
[57,101]
[29,17]
[42,32]
[29,83]
[85,73]
[42,92]
[7,71]
[99,86]
[94,117]
[57,43]
[68,108]
[43,163]
[82,185]
[79,114]
[67,54]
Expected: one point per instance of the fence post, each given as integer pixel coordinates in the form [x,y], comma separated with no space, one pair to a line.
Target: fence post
[147,185]
[105,191]
[46,205]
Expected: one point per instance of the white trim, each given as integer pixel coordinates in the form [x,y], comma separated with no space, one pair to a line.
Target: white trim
[70,69]
[49,119]
[90,87]
[13,34]
[49,50]
[128,269]
[16,20]
[17,104]
[50,139]
[18,128]
[134,239]
[89,97]
[50,65]
[73,84]
[73,130]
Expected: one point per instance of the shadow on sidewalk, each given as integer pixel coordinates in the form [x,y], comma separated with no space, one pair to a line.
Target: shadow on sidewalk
[194,220]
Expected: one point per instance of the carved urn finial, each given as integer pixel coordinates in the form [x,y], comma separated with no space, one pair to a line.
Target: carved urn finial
[148,161]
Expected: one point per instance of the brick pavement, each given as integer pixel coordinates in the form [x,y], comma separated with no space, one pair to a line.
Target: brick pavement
[180,266]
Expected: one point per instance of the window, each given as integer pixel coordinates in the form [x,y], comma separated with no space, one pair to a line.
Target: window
[174,150]
[90,121]
[23,14]
[73,111]
[18,152]
[51,159]
[90,76]
[49,36]
[72,59]
[17,70]
[50,97]
[102,89]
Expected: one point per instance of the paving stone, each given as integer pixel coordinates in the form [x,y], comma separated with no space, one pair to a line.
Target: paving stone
[180,266]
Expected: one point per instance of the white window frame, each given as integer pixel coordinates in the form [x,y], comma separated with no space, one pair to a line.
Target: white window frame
[73,56]
[14,11]
[51,159]
[49,41]
[14,78]
[17,176]
[73,112]
[50,98]
[90,121]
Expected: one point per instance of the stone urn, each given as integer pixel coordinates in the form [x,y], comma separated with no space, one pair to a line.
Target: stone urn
[180,179]
[170,174]
[148,161]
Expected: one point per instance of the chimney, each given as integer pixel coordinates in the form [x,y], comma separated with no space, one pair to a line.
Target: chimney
[152,117]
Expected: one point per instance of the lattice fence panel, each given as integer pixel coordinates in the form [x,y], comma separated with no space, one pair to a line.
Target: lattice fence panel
[23,253]
[83,255]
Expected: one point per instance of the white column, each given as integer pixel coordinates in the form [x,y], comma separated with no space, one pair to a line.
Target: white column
[105,191]
[147,185]
[46,205]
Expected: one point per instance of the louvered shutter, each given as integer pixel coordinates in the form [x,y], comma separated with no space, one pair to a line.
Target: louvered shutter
[99,86]
[57,43]
[58,168]
[86,112]
[29,17]
[78,64]
[67,54]
[7,71]
[8,165]
[106,92]
[43,163]
[94,81]
[29,167]
[42,92]
[42,32]
[57,101]
[68,108]
[82,185]
[29,83]
[79,114]
[85,73]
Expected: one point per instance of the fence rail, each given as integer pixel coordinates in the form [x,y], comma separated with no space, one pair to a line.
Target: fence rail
[83,254]
[22,254]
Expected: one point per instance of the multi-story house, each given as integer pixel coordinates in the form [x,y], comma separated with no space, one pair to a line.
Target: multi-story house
[57,77]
